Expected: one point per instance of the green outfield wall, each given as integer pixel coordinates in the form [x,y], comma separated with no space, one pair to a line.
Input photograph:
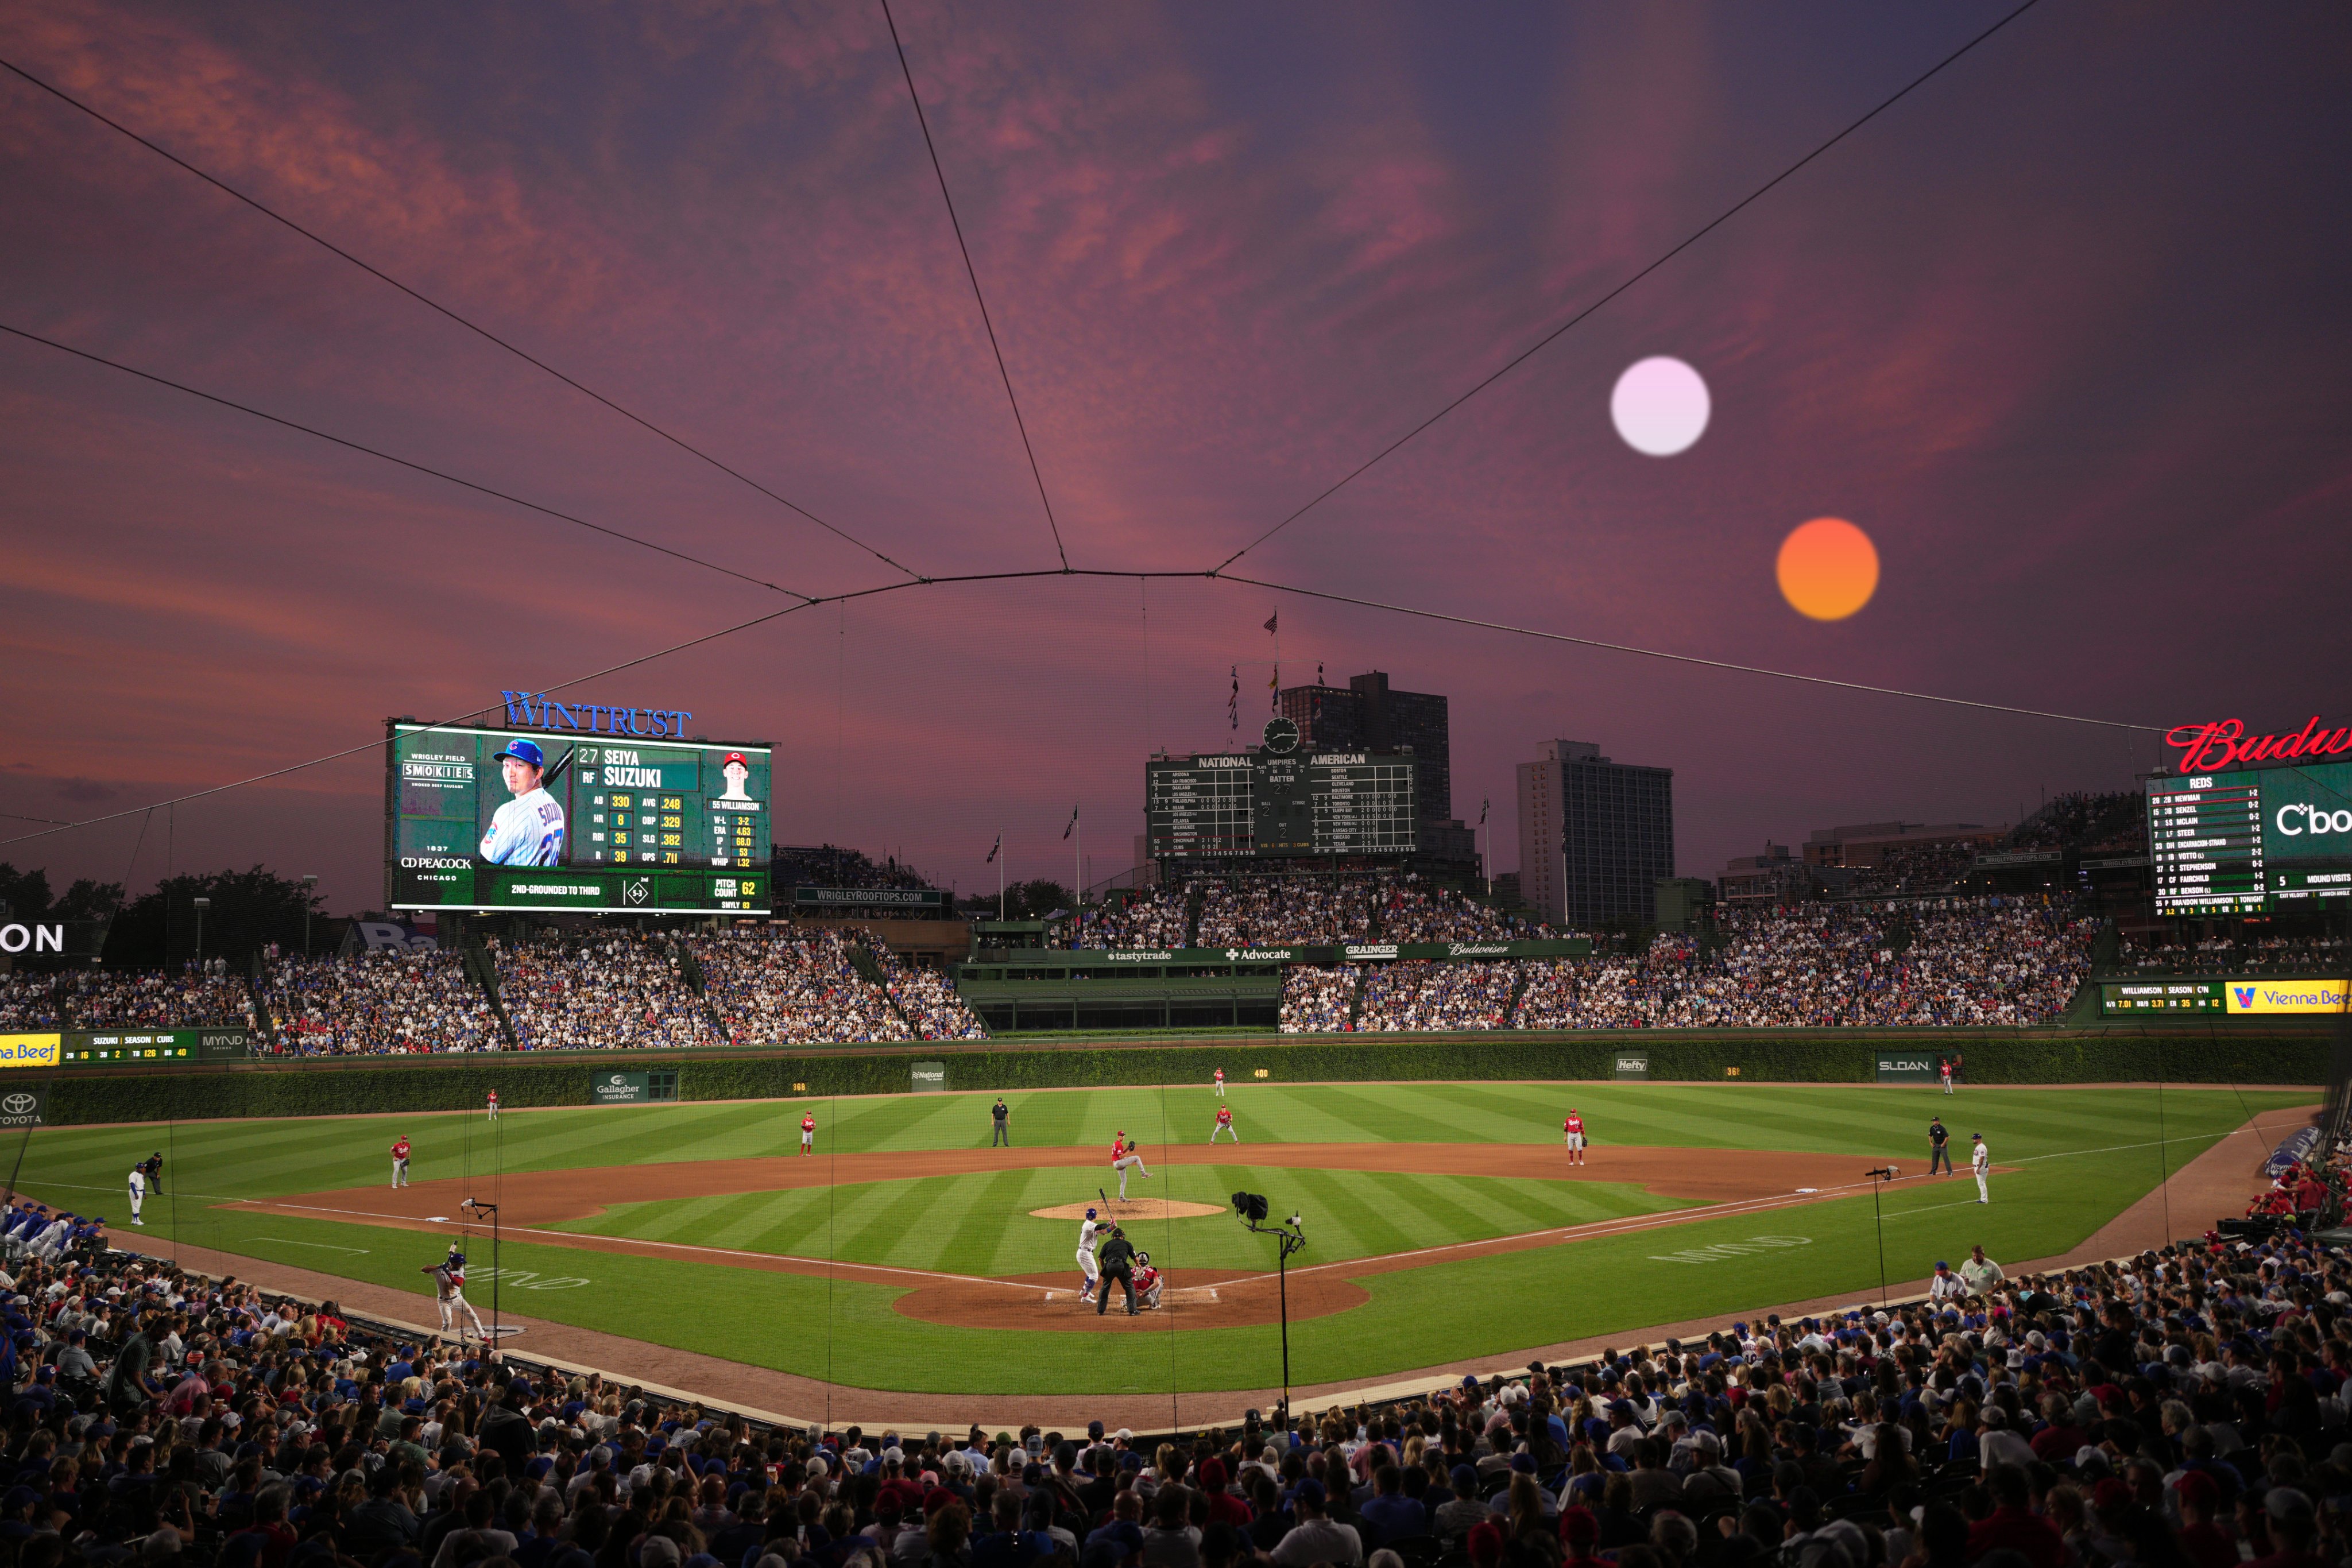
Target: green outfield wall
[392,1084]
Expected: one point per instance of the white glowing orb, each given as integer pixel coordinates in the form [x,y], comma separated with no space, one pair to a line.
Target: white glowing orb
[1660,406]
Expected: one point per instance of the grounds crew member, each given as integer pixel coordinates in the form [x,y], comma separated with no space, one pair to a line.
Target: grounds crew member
[1117,1262]
[1939,1147]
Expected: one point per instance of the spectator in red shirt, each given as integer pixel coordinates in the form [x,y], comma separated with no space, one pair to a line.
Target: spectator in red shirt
[2057,1442]
[2012,1526]
[2206,1544]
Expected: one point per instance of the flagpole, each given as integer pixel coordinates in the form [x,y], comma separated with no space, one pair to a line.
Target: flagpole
[999,876]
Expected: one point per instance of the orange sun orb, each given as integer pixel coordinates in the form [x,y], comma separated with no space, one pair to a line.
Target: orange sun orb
[1828,568]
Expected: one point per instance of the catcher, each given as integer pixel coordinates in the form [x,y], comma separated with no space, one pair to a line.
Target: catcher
[1147,1281]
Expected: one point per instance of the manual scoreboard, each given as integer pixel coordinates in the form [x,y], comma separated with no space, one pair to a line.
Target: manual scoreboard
[1278,799]
[2260,840]
[523,820]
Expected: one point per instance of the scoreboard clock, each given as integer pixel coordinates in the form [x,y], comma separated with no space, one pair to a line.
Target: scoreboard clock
[1281,800]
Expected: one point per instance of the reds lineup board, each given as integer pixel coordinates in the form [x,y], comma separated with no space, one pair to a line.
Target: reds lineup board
[2259,840]
[1279,799]
[598,824]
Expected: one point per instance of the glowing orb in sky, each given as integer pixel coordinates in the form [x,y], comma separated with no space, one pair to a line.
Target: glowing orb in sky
[1660,406]
[1828,568]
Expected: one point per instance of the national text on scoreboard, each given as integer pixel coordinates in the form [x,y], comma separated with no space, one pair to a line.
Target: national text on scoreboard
[1277,799]
[2251,842]
[521,819]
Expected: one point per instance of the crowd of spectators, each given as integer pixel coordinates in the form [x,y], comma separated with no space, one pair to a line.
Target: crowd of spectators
[1415,910]
[197,997]
[2180,1409]
[1264,911]
[1420,994]
[926,999]
[2111,819]
[609,990]
[1320,998]
[1156,919]
[392,1001]
[778,986]
[2316,952]
[830,865]
[1916,868]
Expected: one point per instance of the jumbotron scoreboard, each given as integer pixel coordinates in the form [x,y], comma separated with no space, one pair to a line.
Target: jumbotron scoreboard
[1280,800]
[2255,842]
[526,820]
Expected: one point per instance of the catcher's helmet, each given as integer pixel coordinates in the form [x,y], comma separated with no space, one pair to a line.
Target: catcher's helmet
[1144,1259]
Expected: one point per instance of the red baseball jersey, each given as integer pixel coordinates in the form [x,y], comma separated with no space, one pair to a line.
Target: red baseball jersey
[400,1150]
[1221,1075]
[1224,1115]
[1574,1124]
[1118,1147]
[808,1124]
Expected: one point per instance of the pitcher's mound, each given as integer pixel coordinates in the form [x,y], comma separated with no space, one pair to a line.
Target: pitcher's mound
[1128,1210]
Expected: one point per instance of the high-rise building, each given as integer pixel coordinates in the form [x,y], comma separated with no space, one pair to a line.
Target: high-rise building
[1595,836]
[1368,714]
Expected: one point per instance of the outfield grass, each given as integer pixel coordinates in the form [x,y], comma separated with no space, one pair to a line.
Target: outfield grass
[2084,1155]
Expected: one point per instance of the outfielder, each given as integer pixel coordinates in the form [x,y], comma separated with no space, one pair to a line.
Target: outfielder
[1979,1162]
[1089,1267]
[1943,1066]
[1123,1154]
[529,828]
[1221,1083]
[494,1104]
[1571,1132]
[808,1132]
[1225,1124]
[1147,1281]
[449,1290]
[138,1192]
[400,1161]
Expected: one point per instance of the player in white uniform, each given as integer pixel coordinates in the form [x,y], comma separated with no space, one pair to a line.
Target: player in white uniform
[1221,1083]
[138,1194]
[529,828]
[1979,1161]
[449,1290]
[1089,1267]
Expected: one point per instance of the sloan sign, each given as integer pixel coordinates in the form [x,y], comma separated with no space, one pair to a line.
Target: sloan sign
[18,937]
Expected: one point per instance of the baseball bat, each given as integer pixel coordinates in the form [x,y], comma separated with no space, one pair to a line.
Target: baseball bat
[1104,1196]
[548,779]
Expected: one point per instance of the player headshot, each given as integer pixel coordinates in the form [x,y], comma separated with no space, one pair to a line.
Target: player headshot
[739,773]
[529,828]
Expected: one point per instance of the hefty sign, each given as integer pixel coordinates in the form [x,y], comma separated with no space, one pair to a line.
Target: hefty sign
[2306,997]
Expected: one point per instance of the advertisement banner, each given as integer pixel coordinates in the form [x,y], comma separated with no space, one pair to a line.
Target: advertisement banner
[1634,1064]
[870,898]
[104,1048]
[930,1076]
[1352,953]
[1908,1067]
[21,1106]
[2306,998]
[30,1050]
[2118,999]
[617,1089]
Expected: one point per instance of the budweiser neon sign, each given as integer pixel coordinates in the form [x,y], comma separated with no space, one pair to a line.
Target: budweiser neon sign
[2211,747]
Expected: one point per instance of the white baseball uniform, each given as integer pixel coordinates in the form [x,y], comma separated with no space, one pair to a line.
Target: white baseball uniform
[1980,1161]
[138,1194]
[1089,1265]
[450,1294]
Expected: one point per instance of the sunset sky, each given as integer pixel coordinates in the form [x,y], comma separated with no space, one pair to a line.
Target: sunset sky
[2064,331]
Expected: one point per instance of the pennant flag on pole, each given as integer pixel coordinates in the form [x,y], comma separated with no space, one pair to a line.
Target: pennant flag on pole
[1074,821]
[1482,812]
[1273,621]
[993,849]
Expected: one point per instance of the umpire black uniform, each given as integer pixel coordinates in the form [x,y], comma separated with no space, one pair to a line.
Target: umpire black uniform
[1118,1257]
[1938,1149]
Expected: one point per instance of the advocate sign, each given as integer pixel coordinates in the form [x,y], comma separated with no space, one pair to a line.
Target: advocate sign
[2304,997]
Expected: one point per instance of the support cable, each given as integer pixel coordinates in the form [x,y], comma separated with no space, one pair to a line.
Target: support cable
[443,310]
[972,273]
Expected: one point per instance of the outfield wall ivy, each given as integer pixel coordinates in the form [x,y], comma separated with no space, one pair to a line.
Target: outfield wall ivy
[448,1083]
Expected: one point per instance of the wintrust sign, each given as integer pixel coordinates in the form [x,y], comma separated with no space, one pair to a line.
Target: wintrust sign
[2212,747]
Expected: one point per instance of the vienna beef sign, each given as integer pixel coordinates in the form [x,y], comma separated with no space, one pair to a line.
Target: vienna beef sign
[2215,748]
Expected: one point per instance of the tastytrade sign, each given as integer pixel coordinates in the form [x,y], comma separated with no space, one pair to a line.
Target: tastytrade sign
[537,710]
[2212,747]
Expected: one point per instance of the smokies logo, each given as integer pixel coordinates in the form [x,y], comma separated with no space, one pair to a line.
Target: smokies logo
[2212,747]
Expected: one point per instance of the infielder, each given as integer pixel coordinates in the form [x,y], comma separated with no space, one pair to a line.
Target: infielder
[1571,1132]
[449,1290]
[1979,1162]
[494,1104]
[1089,1267]
[808,1132]
[1225,1124]
[1123,1154]
[529,828]
[400,1161]
[138,1192]
[1221,1083]
[1147,1282]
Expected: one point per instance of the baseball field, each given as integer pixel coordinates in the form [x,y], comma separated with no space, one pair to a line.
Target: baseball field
[1443,1222]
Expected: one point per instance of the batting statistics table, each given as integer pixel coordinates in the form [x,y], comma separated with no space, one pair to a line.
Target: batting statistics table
[1364,807]
[2205,839]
